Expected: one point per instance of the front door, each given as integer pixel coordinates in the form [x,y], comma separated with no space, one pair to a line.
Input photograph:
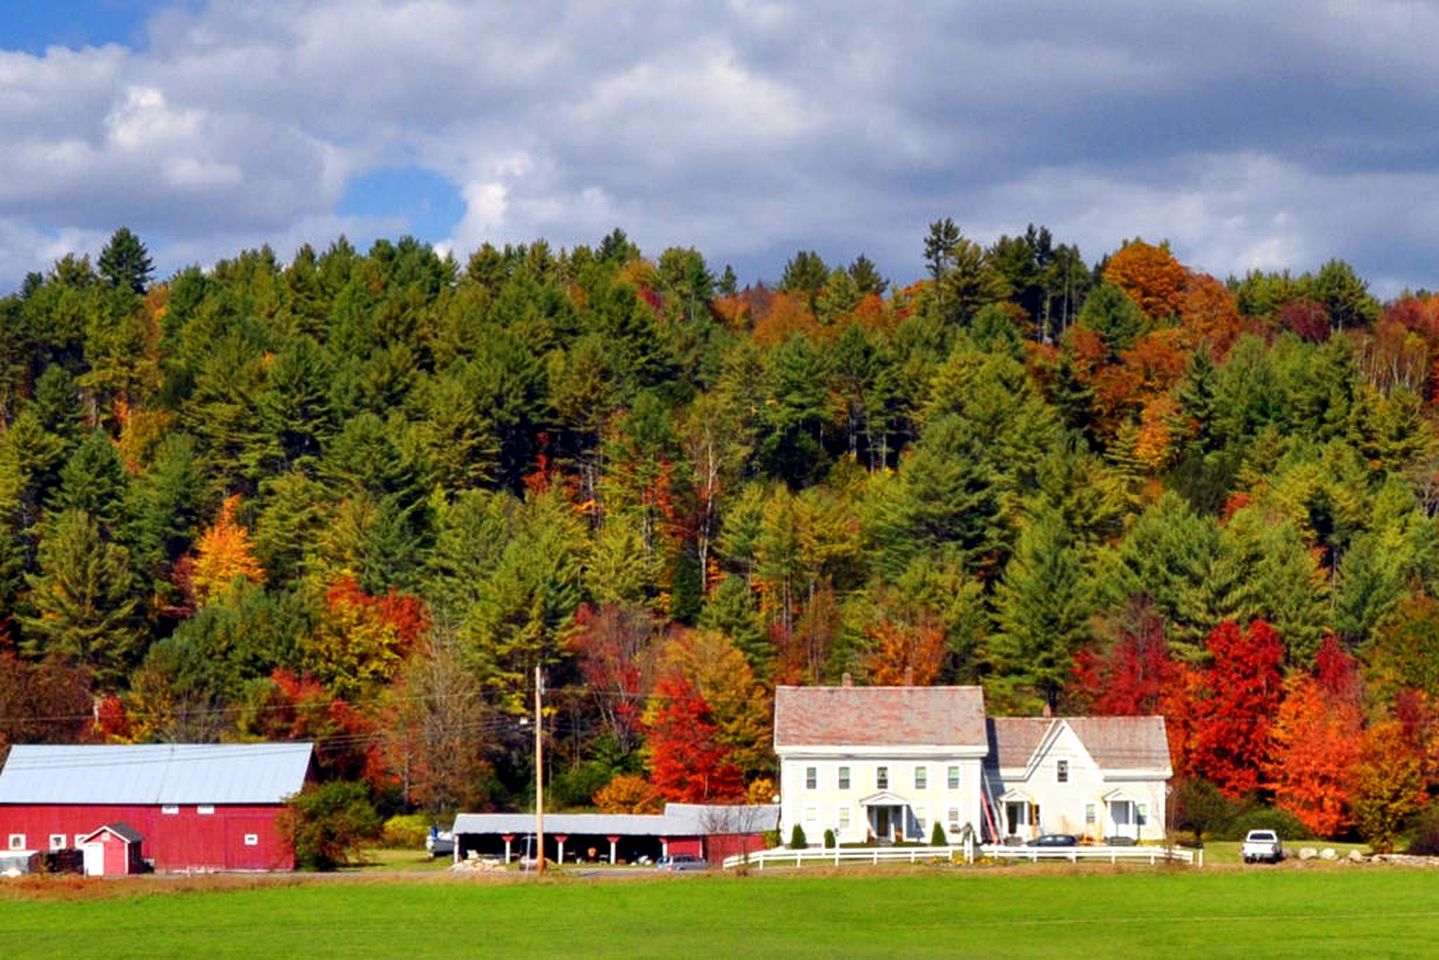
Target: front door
[1121,812]
[1020,817]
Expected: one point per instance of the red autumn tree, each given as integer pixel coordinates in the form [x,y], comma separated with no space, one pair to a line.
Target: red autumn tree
[286,706]
[685,760]
[1129,679]
[1316,743]
[1236,705]
[361,641]
[610,643]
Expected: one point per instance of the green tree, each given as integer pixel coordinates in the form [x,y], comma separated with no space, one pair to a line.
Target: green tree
[125,263]
[1042,610]
[82,604]
[328,824]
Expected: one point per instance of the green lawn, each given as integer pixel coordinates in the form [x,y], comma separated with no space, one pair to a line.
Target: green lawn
[1334,912]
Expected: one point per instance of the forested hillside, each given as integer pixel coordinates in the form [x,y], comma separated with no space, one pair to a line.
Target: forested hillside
[357,497]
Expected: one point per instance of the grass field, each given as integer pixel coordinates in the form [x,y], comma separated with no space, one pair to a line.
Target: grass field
[1019,912]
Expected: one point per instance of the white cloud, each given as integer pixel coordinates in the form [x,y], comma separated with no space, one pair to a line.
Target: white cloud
[749,128]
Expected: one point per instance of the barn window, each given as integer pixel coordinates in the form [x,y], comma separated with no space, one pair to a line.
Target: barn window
[252,839]
[57,841]
[205,810]
[170,809]
[17,841]
[1061,770]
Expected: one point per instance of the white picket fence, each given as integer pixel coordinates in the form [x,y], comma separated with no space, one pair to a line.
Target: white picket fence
[836,856]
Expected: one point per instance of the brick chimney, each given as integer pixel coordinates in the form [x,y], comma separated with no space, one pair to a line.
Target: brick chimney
[846,680]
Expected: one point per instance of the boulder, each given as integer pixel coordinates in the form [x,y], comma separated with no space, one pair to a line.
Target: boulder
[1307,853]
[1328,854]
[1356,857]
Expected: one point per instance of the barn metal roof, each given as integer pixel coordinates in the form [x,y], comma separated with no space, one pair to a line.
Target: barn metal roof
[157,773]
[678,820]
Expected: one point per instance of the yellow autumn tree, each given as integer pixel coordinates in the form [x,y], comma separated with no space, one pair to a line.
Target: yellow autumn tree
[223,555]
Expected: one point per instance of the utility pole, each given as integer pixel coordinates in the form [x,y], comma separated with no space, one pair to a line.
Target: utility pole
[539,776]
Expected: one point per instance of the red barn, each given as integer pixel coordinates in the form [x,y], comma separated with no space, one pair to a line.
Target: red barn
[194,806]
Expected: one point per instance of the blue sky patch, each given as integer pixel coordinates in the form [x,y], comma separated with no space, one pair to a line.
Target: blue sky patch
[429,204]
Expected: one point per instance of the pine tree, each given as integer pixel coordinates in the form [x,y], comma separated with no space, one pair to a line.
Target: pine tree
[125,263]
[1042,610]
[94,481]
[83,605]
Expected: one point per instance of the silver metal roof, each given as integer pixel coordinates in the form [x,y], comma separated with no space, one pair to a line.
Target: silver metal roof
[163,773]
[678,820]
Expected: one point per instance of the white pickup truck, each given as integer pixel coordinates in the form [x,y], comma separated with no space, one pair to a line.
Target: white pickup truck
[1262,845]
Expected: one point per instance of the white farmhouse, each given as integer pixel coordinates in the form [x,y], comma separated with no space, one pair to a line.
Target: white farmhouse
[886,763]
[879,762]
[1095,777]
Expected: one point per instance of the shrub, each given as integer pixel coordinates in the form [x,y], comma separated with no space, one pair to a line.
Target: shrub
[327,824]
[1282,822]
[406,831]
[770,838]
[796,838]
[1200,808]
[937,837]
[1424,834]
[628,793]
[829,839]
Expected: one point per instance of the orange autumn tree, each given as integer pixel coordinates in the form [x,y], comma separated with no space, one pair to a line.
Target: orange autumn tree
[1151,277]
[904,654]
[223,555]
[1317,734]
[360,641]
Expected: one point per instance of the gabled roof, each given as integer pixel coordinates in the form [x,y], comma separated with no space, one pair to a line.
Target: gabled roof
[122,830]
[878,716]
[1115,743]
[158,773]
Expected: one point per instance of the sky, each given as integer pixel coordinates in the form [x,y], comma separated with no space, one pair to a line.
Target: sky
[1268,135]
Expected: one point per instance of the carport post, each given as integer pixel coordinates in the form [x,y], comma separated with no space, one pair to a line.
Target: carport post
[560,839]
[508,838]
[613,841]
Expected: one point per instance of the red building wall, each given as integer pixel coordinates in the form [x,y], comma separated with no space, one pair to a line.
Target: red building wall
[185,840]
[718,846]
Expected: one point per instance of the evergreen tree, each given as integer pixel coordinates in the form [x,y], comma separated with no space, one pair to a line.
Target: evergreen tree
[125,263]
[82,604]
[1042,611]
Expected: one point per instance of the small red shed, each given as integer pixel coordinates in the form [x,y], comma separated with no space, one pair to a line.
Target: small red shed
[112,851]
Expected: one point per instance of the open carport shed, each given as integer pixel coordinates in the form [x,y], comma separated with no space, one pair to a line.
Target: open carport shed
[713,831]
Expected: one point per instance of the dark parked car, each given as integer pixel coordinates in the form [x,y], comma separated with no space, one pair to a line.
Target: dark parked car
[682,862]
[1055,840]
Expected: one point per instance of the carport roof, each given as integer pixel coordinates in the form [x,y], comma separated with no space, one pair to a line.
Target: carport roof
[678,820]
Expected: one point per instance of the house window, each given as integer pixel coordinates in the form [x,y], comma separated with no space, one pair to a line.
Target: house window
[844,818]
[881,778]
[921,817]
[811,777]
[921,778]
[811,814]
[170,809]
[205,810]
[1090,814]
[954,778]
[1142,815]
[17,841]
[57,841]
[844,778]
[252,839]
[1061,771]
[953,819]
